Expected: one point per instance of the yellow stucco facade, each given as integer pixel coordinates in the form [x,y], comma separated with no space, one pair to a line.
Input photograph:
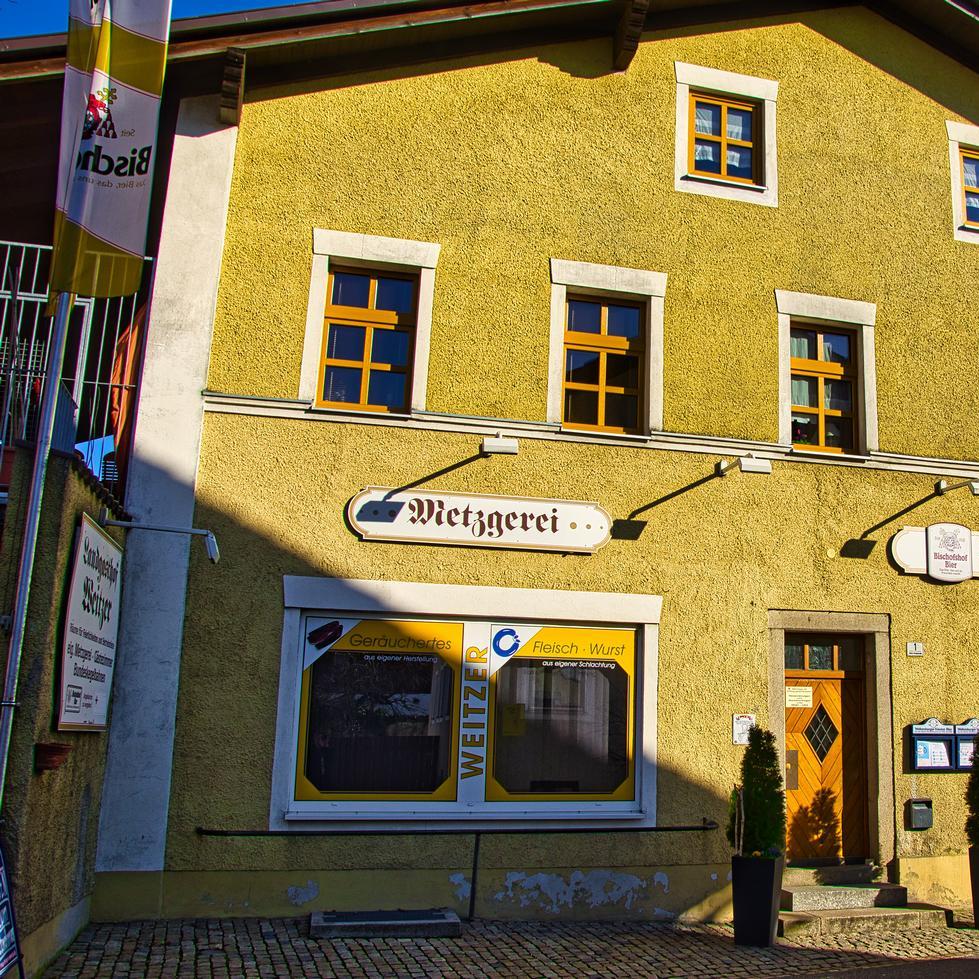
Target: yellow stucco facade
[508,160]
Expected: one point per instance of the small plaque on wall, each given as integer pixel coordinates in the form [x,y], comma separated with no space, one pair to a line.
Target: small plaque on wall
[741,724]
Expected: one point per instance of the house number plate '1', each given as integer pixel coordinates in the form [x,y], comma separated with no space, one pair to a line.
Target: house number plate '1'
[478,520]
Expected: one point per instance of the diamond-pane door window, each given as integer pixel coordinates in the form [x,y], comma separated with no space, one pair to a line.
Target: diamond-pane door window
[821,733]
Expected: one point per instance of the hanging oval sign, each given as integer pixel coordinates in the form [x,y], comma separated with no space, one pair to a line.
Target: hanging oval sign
[479,520]
[942,551]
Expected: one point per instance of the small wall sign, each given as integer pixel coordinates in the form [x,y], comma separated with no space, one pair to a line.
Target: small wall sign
[942,551]
[88,651]
[479,520]
[798,696]
[741,724]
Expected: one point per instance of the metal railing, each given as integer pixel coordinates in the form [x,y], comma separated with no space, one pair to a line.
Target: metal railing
[97,406]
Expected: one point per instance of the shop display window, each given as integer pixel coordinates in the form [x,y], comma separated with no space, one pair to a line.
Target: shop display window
[467,716]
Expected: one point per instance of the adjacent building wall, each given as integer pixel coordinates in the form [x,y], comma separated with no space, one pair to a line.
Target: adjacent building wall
[50,819]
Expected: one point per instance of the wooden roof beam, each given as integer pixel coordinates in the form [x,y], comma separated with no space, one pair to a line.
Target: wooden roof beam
[627,33]
[232,87]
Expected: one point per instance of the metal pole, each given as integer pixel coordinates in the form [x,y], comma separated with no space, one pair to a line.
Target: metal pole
[25,570]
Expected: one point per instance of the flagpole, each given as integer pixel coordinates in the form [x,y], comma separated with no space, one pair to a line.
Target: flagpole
[25,570]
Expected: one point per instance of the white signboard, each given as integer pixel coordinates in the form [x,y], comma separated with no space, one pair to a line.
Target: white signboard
[740,726]
[932,754]
[478,520]
[798,696]
[942,551]
[88,655]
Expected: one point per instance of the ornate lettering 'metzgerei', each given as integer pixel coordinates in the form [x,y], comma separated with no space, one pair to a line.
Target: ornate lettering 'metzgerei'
[481,523]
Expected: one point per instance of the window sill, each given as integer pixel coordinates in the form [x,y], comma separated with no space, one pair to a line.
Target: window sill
[721,182]
[466,818]
[612,436]
[829,456]
[764,194]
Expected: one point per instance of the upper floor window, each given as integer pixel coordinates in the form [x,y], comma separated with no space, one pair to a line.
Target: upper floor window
[369,339]
[605,371]
[827,373]
[368,322]
[604,343]
[725,135]
[970,186]
[724,138]
[963,159]
[823,385]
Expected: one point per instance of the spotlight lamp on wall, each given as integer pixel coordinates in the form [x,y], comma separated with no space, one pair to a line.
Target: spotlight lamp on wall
[210,541]
[747,464]
[499,445]
[943,486]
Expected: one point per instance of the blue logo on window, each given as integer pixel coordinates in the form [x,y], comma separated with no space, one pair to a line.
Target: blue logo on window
[506,642]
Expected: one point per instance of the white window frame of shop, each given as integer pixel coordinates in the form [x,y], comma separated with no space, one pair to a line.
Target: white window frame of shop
[960,135]
[376,253]
[609,282]
[799,308]
[762,91]
[397,599]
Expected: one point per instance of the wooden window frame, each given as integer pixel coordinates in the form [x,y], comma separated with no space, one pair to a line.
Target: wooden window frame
[603,344]
[807,640]
[822,371]
[370,319]
[970,153]
[755,144]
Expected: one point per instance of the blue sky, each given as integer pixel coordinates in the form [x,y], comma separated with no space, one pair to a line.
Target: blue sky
[19,18]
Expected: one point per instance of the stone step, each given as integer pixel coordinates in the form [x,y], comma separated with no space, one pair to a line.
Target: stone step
[806,924]
[838,897]
[847,873]
[433,923]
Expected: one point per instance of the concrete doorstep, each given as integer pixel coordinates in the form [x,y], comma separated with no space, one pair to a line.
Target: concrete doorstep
[836,921]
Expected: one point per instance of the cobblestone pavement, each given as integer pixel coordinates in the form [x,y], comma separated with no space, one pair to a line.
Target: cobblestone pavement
[247,947]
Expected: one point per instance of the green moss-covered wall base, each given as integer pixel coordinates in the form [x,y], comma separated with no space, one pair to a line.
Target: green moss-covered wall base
[50,819]
[44,943]
[698,892]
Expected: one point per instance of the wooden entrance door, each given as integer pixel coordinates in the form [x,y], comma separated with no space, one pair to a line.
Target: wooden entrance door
[825,749]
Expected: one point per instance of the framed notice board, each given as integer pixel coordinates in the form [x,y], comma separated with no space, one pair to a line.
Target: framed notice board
[933,746]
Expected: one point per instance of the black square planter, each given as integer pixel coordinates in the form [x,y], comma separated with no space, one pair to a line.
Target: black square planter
[757,885]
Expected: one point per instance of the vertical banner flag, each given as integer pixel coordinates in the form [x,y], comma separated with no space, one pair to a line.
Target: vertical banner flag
[117,52]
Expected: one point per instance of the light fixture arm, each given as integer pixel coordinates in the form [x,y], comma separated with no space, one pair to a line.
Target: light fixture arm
[747,464]
[210,541]
[943,486]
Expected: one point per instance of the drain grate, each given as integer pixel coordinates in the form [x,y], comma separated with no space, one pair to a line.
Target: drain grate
[430,923]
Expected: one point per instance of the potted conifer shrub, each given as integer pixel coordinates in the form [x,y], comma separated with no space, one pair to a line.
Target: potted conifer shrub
[972,828]
[756,831]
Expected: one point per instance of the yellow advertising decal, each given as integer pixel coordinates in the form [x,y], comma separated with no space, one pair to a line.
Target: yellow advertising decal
[377,710]
[562,697]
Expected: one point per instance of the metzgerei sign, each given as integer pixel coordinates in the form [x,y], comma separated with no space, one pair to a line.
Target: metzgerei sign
[478,520]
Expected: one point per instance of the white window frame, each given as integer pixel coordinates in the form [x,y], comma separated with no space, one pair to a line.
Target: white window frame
[960,135]
[608,282]
[369,252]
[799,308]
[764,91]
[305,595]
